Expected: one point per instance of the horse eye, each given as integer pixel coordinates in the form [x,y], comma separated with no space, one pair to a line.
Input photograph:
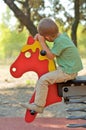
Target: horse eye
[27,54]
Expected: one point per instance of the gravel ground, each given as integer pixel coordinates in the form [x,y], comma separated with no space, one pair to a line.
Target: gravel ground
[13,91]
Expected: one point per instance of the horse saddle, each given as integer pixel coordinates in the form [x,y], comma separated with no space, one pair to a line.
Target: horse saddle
[76,87]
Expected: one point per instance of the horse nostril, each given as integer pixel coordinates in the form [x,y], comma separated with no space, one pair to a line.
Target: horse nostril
[13,69]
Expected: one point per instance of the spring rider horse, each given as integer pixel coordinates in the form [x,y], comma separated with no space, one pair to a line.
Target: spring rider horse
[33,58]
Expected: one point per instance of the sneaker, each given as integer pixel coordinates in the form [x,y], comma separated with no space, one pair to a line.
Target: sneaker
[33,107]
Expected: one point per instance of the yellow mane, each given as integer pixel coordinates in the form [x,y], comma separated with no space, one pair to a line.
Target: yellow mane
[33,47]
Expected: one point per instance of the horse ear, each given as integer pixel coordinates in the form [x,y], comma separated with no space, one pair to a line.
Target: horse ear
[30,40]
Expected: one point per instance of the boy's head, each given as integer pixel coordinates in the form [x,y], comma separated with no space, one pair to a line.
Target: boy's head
[48,29]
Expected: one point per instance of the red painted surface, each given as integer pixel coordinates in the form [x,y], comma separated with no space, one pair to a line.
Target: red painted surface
[18,123]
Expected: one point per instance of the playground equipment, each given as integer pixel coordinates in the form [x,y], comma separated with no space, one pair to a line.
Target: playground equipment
[74,92]
[33,58]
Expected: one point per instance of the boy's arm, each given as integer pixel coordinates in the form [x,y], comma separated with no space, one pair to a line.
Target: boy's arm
[41,39]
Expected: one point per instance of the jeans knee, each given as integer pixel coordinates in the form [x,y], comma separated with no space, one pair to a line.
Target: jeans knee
[43,80]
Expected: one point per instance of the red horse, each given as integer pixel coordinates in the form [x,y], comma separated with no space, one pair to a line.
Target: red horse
[30,59]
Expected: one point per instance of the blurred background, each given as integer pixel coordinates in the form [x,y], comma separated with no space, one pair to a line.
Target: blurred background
[18,20]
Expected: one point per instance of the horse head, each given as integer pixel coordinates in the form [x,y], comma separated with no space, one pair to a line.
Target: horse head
[30,59]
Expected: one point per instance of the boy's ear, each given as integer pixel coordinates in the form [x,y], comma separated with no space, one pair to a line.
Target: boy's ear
[47,37]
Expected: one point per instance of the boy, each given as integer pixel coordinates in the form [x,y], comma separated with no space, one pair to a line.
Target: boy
[67,58]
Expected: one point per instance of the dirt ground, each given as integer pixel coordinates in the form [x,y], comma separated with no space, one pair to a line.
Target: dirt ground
[13,91]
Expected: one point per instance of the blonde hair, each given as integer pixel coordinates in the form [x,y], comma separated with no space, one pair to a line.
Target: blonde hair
[47,27]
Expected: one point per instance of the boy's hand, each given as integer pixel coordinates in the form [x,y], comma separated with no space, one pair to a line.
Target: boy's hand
[36,37]
[40,38]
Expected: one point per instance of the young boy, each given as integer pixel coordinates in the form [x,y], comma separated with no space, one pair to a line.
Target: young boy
[67,58]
